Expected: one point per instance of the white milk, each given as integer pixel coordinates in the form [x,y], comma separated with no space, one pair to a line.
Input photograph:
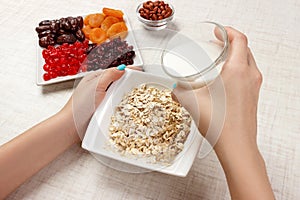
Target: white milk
[185,57]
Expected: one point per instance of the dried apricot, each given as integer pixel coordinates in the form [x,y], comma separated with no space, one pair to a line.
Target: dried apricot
[86,19]
[108,21]
[117,30]
[87,30]
[95,20]
[113,12]
[97,35]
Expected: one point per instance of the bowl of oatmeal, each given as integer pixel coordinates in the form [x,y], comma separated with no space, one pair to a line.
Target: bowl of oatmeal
[139,124]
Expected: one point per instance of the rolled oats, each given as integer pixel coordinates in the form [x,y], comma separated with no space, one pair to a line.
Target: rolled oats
[149,123]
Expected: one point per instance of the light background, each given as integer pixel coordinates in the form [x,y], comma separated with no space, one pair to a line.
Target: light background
[273,29]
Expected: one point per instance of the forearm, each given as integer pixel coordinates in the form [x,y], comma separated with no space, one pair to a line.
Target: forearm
[31,151]
[245,170]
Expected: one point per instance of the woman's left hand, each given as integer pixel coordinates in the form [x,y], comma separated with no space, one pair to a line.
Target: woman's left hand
[35,148]
[88,95]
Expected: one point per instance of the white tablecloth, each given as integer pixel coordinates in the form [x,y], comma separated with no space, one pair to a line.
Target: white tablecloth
[273,29]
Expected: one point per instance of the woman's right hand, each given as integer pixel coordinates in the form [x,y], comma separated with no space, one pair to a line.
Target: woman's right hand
[226,114]
[240,80]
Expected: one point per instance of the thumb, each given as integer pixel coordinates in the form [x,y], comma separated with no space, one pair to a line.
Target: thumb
[104,81]
[181,96]
[107,77]
[189,100]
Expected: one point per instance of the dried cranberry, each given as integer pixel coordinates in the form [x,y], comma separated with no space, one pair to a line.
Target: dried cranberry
[64,60]
[46,77]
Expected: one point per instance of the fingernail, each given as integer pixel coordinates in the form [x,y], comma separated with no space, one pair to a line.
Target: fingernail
[174,85]
[121,67]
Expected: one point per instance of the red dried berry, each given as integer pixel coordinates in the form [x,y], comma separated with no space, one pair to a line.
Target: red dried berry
[46,77]
[64,60]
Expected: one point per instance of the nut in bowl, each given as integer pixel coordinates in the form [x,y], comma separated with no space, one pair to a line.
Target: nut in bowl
[172,152]
[155,15]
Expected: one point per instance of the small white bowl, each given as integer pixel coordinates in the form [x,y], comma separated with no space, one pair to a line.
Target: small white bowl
[96,139]
[155,24]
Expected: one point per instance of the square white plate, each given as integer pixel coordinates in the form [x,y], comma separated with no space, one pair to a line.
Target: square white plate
[96,139]
[40,60]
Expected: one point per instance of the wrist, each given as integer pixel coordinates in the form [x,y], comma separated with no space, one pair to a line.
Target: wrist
[236,140]
[65,118]
[237,149]
[236,153]
[245,171]
[233,151]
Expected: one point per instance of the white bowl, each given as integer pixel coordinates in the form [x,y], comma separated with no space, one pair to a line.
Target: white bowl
[96,139]
[155,24]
